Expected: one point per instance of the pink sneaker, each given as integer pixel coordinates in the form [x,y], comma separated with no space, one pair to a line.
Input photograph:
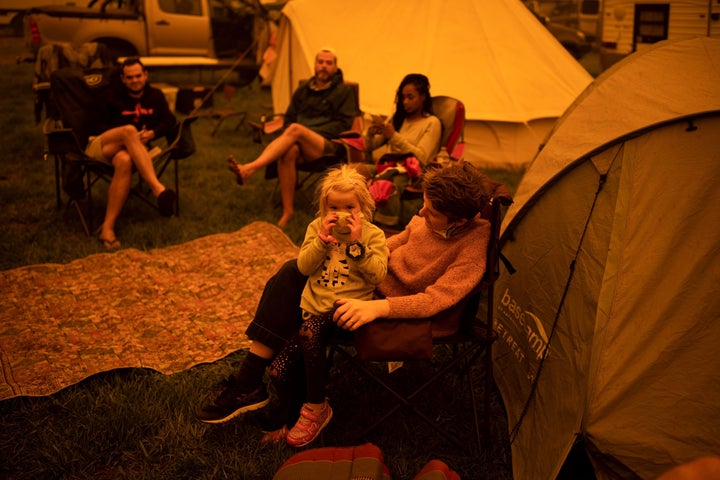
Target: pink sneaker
[308,426]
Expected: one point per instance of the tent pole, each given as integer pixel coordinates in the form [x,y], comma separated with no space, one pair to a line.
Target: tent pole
[290,62]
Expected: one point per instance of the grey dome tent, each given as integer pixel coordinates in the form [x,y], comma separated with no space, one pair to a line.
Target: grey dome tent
[609,327]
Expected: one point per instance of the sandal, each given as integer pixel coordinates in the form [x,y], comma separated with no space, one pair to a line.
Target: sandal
[109,244]
[234,167]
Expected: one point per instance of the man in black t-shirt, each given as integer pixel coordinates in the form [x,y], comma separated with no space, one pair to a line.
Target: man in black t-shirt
[135,116]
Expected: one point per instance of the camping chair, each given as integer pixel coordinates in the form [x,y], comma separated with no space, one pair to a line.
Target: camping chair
[474,337]
[451,113]
[53,56]
[79,97]
[246,75]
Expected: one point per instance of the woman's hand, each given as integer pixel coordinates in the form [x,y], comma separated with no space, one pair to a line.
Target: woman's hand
[353,314]
[384,129]
[325,232]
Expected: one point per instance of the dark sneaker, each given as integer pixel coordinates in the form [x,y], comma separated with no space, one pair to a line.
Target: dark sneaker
[231,402]
[273,417]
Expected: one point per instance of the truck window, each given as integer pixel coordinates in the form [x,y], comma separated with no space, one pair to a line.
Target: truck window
[182,7]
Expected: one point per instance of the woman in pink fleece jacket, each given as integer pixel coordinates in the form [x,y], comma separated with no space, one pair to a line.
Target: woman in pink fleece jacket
[434,263]
[449,231]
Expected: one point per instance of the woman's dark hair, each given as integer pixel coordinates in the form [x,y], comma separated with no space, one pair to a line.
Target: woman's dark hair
[422,84]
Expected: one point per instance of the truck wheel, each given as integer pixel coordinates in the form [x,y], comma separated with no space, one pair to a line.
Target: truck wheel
[117,48]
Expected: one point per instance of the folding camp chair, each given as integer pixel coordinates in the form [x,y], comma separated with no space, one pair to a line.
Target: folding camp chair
[54,56]
[246,74]
[474,337]
[451,113]
[79,97]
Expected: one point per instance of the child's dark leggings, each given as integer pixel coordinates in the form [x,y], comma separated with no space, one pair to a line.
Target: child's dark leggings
[306,347]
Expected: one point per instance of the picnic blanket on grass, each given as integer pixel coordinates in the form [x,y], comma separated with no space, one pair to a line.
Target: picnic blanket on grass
[167,309]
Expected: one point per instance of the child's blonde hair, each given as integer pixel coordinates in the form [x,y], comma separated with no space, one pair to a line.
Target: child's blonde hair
[346,180]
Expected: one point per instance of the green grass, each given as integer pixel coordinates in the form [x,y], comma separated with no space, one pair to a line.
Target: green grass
[36,231]
[138,423]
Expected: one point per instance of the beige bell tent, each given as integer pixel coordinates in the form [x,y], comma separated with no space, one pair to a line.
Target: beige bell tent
[513,76]
[610,326]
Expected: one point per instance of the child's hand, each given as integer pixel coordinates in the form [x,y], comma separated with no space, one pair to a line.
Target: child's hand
[325,232]
[355,223]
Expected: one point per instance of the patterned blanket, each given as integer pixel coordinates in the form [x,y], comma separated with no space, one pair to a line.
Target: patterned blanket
[168,309]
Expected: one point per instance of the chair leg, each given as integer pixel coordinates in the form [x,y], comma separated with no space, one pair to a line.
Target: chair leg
[406,401]
[177,187]
[222,116]
[90,211]
[80,213]
[489,383]
[58,182]
[476,417]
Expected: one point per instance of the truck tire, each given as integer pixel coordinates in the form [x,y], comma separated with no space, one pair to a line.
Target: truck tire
[118,48]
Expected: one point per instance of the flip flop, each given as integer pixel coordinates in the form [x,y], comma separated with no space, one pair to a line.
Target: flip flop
[113,244]
[238,177]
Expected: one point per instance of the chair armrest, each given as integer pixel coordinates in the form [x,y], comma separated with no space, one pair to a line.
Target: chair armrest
[265,126]
[41,86]
[183,144]
[51,127]
[350,134]
[61,140]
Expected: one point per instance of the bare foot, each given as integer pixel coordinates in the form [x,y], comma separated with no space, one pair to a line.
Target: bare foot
[236,168]
[285,219]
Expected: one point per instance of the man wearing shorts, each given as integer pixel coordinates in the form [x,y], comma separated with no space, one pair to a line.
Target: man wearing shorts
[135,116]
[321,108]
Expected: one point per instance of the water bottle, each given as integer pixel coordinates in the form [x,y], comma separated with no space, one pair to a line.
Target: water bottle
[443,158]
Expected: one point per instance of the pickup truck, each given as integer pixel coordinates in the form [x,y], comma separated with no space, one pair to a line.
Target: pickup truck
[12,12]
[191,28]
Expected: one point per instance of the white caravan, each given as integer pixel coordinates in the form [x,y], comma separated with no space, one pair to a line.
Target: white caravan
[629,26]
